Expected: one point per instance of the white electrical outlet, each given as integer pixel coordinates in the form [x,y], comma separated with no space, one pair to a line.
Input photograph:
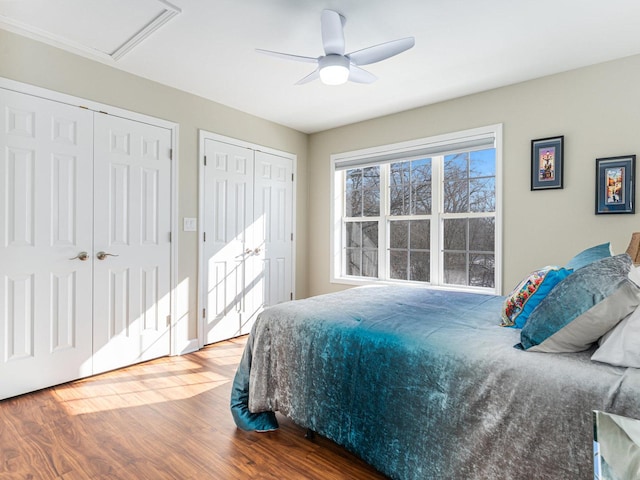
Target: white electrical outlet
[190,224]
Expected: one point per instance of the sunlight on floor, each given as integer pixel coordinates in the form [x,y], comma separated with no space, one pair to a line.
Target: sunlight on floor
[168,379]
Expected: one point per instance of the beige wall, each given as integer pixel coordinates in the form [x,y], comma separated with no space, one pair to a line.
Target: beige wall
[31,62]
[597,109]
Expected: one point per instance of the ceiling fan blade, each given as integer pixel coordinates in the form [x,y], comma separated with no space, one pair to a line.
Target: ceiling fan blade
[309,78]
[288,56]
[332,32]
[358,75]
[374,54]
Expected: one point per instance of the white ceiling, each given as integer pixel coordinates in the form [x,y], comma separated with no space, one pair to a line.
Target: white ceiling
[207,47]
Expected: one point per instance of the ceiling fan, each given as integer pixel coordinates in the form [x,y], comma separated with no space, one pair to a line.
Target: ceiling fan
[335,67]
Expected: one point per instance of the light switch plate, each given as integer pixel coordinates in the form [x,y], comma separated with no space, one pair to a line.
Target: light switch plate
[190,224]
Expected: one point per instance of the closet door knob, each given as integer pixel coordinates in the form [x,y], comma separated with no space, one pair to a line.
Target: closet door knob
[103,255]
[82,256]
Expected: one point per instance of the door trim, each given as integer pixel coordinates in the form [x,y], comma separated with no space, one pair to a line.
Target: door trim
[204,135]
[178,345]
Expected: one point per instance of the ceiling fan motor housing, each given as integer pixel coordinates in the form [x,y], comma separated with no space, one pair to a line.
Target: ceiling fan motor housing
[334,69]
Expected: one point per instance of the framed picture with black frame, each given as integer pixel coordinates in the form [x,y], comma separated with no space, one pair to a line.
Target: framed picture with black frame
[615,184]
[547,162]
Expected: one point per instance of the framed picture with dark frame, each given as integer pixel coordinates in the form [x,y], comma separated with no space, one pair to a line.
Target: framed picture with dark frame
[547,162]
[615,184]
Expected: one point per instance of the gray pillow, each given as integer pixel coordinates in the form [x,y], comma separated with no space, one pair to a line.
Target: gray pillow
[582,308]
[621,345]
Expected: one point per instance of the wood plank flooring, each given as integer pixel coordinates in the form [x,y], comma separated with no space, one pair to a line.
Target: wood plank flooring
[164,419]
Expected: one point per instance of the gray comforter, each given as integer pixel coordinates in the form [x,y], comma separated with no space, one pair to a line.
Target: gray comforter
[425,384]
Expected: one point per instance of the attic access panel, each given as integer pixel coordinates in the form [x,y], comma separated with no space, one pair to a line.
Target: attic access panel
[104,28]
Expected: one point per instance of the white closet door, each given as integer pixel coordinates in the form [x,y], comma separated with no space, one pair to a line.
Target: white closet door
[45,221]
[132,225]
[248,249]
[273,221]
[228,224]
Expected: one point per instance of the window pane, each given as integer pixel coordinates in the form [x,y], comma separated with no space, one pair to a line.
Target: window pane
[370,234]
[361,263]
[421,198]
[353,179]
[420,267]
[353,203]
[353,193]
[482,195]
[483,163]
[455,234]
[361,252]
[421,170]
[362,192]
[399,198]
[399,234]
[410,187]
[371,203]
[371,177]
[353,262]
[482,234]
[414,263]
[482,270]
[353,234]
[421,187]
[455,268]
[398,264]
[456,196]
[420,234]
[370,263]
[399,173]
[456,165]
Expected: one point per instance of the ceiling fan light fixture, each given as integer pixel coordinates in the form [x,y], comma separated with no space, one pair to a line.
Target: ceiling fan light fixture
[334,69]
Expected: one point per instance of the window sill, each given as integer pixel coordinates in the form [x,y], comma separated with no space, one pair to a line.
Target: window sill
[356,281]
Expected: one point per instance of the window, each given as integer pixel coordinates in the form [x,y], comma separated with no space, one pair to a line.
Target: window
[424,211]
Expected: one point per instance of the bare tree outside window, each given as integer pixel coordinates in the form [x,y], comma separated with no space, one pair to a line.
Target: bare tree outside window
[410,194]
[410,250]
[362,199]
[362,249]
[362,192]
[464,223]
[469,242]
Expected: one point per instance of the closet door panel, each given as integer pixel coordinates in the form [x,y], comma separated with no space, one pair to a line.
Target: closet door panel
[132,213]
[274,221]
[46,177]
[228,221]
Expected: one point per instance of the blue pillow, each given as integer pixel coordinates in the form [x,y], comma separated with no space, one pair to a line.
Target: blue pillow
[529,293]
[582,308]
[589,255]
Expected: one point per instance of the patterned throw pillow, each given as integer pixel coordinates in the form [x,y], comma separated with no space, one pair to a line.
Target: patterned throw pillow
[529,293]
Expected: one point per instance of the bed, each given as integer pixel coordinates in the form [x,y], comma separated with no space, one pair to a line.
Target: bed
[427,384]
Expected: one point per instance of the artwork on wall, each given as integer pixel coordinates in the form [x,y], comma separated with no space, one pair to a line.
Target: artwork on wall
[547,161]
[615,184]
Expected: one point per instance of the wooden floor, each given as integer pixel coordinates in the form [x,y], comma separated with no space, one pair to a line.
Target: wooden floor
[164,419]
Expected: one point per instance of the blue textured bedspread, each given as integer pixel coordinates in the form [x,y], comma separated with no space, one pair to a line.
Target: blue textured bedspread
[424,384]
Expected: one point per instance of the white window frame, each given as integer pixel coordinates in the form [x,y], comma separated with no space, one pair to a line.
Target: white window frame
[442,144]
